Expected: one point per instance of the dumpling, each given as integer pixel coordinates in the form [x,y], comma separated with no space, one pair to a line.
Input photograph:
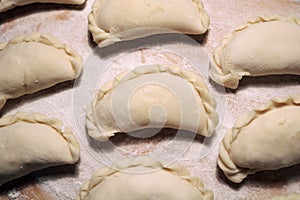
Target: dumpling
[265,139]
[290,197]
[32,141]
[264,46]
[143,178]
[152,96]
[9,4]
[34,62]
[116,20]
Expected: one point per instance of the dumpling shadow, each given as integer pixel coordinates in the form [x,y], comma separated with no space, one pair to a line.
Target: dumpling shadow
[268,178]
[13,104]
[60,171]
[222,179]
[200,38]
[47,173]
[274,81]
[90,40]
[145,136]
[219,88]
[274,178]
[149,41]
[19,183]
[22,11]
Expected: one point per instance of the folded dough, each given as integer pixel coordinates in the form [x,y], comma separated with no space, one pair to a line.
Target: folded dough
[34,62]
[9,4]
[264,46]
[152,96]
[143,178]
[32,141]
[265,139]
[117,20]
[290,197]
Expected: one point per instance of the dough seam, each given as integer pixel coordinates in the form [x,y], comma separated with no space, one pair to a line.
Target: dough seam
[231,79]
[233,172]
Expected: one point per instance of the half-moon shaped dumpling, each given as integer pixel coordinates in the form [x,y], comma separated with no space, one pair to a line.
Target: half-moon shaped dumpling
[264,46]
[9,4]
[35,62]
[32,141]
[152,97]
[117,20]
[267,138]
[142,178]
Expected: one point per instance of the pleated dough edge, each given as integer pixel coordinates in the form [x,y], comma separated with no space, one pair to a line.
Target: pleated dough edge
[231,171]
[56,124]
[104,38]
[75,59]
[231,79]
[146,162]
[196,80]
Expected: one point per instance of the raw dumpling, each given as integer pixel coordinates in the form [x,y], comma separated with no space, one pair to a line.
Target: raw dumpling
[9,4]
[152,97]
[35,62]
[143,178]
[264,46]
[117,20]
[290,197]
[32,141]
[267,138]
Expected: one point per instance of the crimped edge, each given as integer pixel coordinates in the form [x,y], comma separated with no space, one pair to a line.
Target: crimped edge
[8,4]
[217,71]
[104,38]
[233,172]
[56,124]
[96,132]
[146,162]
[49,40]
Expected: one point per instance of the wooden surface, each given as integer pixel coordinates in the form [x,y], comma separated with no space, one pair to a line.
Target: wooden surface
[69,23]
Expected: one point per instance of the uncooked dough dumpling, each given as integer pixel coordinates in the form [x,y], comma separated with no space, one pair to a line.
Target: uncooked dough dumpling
[143,178]
[153,96]
[32,141]
[9,4]
[117,20]
[267,138]
[264,46]
[34,62]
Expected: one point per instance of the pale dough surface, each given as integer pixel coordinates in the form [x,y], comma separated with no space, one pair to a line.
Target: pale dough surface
[69,24]
[34,62]
[265,139]
[111,17]
[141,179]
[152,97]
[265,46]
[32,141]
[277,128]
